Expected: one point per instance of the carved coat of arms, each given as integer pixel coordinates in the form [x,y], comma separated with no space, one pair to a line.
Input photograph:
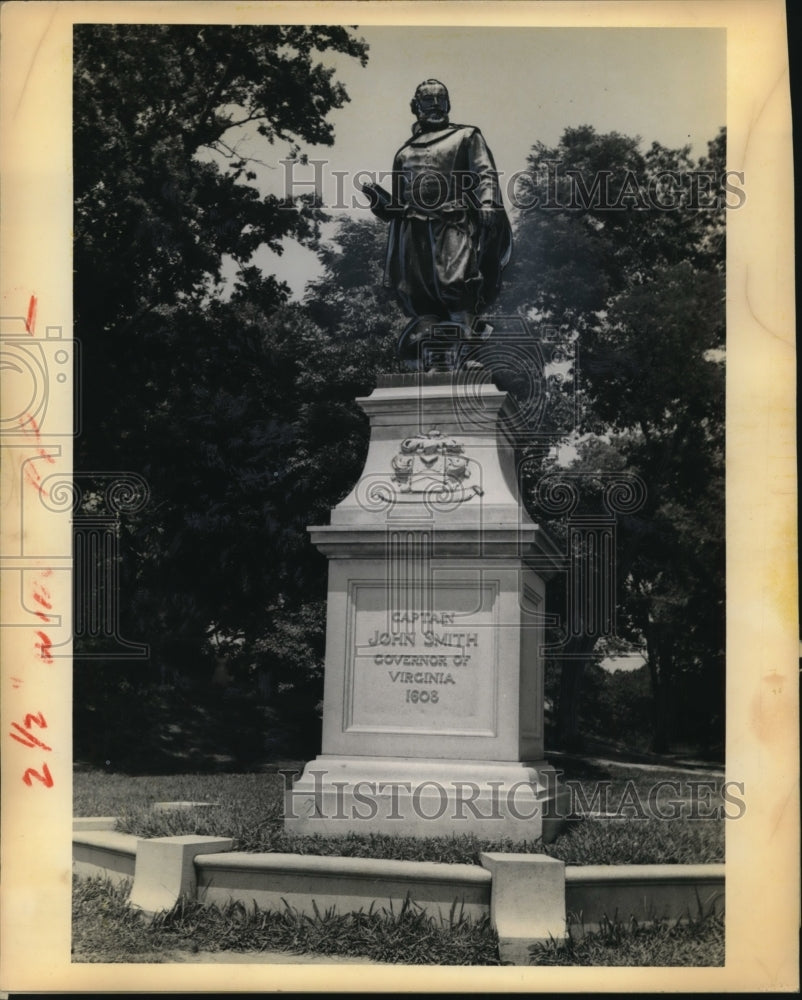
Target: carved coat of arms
[433,463]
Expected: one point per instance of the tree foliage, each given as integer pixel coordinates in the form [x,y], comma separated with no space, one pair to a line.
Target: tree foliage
[226,404]
[162,196]
[638,291]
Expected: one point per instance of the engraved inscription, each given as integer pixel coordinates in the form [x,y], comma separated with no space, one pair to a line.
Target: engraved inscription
[423,670]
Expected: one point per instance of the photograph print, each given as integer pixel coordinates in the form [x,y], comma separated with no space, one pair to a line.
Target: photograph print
[399,497]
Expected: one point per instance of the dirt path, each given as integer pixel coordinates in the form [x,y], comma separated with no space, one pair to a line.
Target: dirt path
[601,758]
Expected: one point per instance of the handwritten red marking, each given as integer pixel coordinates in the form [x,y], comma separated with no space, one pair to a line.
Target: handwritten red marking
[15,682]
[30,321]
[44,647]
[46,572]
[29,425]
[34,479]
[41,597]
[45,777]
[27,739]
[39,719]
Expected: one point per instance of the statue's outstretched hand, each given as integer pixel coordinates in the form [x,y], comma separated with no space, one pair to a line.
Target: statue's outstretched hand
[379,200]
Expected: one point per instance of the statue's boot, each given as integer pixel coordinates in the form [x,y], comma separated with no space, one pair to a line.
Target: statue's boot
[473,327]
[417,330]
[464,320]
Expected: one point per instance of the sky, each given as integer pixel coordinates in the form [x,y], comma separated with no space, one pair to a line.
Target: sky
[520,86]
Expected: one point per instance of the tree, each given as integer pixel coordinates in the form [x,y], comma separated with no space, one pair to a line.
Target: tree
[157,108]
[675,581]
[638,290]
[213,400]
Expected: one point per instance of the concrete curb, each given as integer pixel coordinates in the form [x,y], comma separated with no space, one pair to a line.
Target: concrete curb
[645,892]
[100,851]
[528,896]
[303,881]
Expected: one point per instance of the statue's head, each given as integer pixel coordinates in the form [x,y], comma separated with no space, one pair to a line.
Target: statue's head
[431,105]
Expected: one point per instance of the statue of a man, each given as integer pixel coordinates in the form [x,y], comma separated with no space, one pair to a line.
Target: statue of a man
[449,235]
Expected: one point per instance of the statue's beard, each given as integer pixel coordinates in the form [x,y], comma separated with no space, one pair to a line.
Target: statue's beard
[433,119]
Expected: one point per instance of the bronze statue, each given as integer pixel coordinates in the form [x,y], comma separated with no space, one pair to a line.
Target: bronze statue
[449,237]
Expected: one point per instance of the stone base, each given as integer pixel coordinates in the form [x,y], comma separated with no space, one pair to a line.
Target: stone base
[338,795]
[527,903]
[165,870]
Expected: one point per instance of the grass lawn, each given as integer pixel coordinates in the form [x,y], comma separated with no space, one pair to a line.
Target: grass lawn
[698,941]
[250,810]
[105,929]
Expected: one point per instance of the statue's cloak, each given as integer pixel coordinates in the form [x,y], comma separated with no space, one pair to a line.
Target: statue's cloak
[440,260]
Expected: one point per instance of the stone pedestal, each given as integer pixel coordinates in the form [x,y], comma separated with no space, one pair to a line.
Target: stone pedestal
[433,698]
